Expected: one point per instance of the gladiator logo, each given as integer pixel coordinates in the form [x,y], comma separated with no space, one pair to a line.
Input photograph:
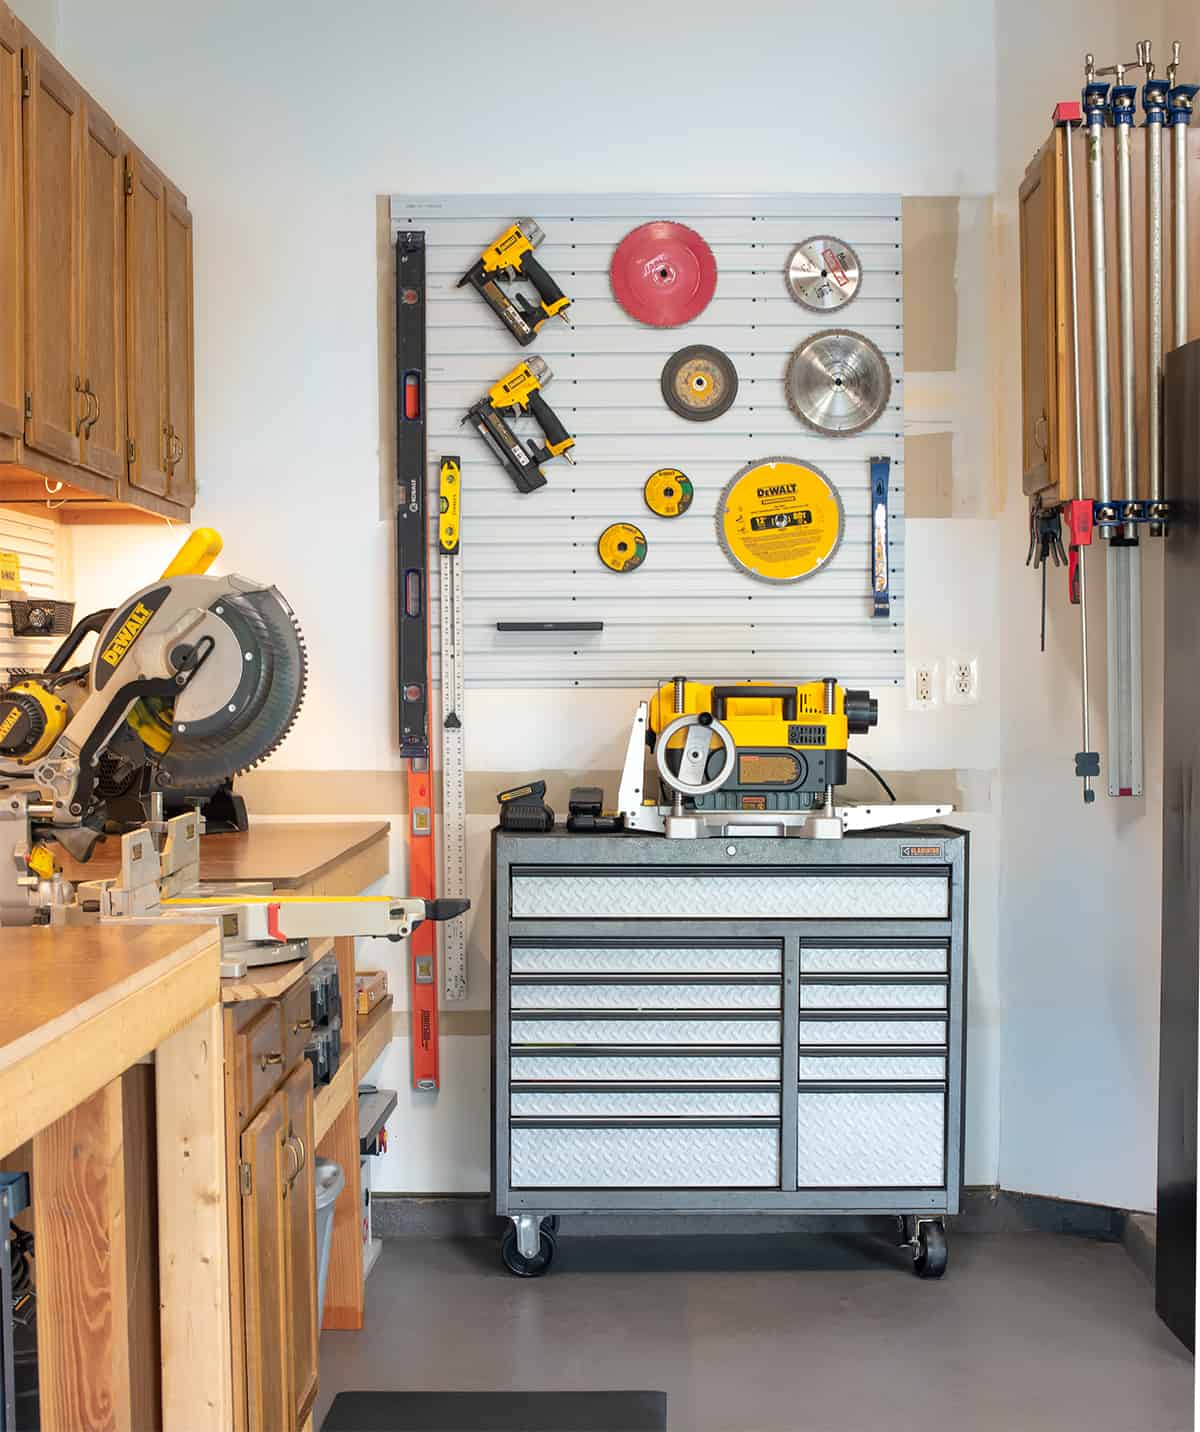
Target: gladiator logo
[114,652]
[783,489]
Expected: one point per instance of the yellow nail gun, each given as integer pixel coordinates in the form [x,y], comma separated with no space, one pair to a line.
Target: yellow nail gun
[520,392]
[510,258]
[751,758]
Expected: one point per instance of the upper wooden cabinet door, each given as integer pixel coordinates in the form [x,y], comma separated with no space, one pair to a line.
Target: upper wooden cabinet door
[265,1251]
[1041,323]
[302,1234]
[146,319]
[52,145]
[181,401]
[102,294]
[12,275]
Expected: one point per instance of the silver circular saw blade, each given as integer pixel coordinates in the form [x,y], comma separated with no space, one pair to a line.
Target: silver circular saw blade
[223,744]
[837,382]
[823,273]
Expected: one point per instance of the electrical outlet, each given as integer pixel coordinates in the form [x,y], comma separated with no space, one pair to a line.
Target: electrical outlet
[962,681]
[924,686]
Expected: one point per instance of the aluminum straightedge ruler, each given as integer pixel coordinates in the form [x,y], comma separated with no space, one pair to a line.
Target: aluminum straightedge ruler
[454,766]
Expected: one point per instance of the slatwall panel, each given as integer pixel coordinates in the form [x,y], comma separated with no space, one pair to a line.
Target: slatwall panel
[531,557]
[35,540]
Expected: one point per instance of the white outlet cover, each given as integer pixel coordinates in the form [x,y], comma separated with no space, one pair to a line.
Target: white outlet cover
[924,685]
[962,681]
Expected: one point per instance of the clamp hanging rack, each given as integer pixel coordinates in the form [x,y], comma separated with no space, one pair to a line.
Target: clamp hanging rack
[412,592]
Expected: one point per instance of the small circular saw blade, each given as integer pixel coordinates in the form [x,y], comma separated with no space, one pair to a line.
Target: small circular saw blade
[668,492]
[663,274]
[622,547]
[699,382]
[823,273]
[838,382]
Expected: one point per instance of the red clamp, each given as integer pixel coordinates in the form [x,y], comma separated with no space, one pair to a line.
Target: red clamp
[1068,111]
[1078,516]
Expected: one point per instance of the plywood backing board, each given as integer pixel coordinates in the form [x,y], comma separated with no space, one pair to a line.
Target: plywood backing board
[531,557]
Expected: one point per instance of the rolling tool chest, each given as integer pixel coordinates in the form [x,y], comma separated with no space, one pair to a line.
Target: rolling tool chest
[728,1025]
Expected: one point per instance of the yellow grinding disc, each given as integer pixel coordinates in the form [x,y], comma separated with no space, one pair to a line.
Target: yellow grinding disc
[780,520]
[622,547]
[668,492]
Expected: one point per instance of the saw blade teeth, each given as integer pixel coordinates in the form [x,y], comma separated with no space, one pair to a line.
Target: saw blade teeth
[838,382]
[823,273]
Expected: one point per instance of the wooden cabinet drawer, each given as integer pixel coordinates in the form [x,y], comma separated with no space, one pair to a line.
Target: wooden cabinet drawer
[296,1008]
[258,1059]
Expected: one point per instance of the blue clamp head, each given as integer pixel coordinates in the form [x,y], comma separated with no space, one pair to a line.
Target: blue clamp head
[1154,100]
[1095,102]
[1122,101]
[1179,103]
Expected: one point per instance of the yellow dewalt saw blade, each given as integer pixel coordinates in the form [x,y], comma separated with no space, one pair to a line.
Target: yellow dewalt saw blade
[780,520]
[622,547]
[668,492]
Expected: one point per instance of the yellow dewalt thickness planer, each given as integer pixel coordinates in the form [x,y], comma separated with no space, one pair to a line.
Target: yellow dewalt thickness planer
[789,741]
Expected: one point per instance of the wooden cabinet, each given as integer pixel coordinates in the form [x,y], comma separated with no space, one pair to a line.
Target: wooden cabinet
[53,128]
[12,271]
[273,1232]
[265,1256]
[96,349]
[1040,323]
[102,294]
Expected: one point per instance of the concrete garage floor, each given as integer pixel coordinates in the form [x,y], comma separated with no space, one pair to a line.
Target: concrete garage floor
[1028,1332]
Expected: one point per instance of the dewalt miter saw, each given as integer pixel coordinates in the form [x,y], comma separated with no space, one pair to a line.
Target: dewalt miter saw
[193,679]
[751,758]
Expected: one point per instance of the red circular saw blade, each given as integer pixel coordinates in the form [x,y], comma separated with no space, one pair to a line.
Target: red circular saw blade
[663,274]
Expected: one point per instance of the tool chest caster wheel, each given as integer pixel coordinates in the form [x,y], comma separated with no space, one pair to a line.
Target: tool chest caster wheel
[516,1262]
[930,1253]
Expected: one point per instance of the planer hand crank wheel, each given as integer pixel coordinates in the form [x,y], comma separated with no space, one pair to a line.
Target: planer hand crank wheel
[690,780]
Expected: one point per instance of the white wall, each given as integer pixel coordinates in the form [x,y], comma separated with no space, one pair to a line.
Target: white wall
[283,123]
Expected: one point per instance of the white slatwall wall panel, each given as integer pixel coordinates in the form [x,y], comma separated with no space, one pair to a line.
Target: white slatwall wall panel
[35,540]
[531,557]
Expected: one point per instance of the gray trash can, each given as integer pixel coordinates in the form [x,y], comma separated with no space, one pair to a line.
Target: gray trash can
[329,1180]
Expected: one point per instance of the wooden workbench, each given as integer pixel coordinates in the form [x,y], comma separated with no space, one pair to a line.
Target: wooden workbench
[86,1004]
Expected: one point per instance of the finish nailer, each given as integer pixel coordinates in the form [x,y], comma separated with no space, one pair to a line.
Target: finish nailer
[520,392]
[510,258]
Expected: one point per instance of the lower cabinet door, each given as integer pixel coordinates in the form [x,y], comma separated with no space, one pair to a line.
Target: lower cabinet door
[270,1406]
[871,1138]
[299,1154]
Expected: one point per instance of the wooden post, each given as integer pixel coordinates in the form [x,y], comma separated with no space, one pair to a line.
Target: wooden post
[96,1367]
[197,1377]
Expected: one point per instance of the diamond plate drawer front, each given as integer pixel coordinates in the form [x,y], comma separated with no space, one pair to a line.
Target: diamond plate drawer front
[659,1068]
[645,1031]
[871,1139]
[872,1031]
[645,1158]
[646,960]
[643,1103]
[872,996]
[644,996]
[847,1068]
[907,960]
[787,893]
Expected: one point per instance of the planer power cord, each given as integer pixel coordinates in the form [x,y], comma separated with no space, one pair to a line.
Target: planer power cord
[867,766]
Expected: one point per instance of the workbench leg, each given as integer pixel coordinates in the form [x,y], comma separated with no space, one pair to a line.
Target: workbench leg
[193,1231]
[97,1366]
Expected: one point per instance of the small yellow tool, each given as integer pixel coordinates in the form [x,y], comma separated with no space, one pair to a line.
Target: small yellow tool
[520,392]
[449,505]
[510,258]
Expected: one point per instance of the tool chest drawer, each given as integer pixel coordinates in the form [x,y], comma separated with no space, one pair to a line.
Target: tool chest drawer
[796,892]
[662,1103]
[871,1138]
[835,1067]
[889,959]
[871,1032]
[643,959]
[682,1065]
[639,994]
[258,1058]
[631,1157]
[548,1031]
[906,994]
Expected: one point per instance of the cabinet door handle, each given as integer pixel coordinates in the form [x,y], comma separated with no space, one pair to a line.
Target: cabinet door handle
[301,1024]
[274,1058]
[178,447]
[1041,434]
[169,457]
[93,398]
[295,1147]
[87,407]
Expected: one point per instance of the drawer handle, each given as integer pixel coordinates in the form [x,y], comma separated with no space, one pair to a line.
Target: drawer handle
[275,1058]
[301,1024]
[295,1148]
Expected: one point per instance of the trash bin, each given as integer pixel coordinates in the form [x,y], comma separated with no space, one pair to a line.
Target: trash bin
[329,1181]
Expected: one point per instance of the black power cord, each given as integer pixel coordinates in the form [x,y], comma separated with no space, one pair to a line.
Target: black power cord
[867,766]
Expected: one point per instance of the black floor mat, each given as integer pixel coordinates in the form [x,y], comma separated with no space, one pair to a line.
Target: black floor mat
[497,1412]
